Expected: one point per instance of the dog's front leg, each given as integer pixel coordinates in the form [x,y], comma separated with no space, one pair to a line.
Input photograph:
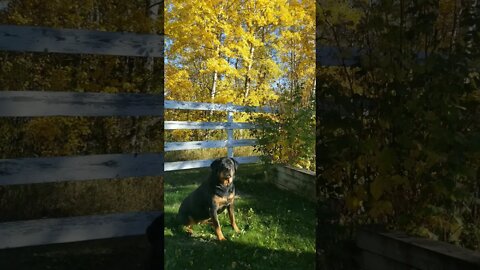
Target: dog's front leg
[231,215]
[216,223]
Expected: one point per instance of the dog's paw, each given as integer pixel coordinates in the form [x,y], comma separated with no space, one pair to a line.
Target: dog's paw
[187,230]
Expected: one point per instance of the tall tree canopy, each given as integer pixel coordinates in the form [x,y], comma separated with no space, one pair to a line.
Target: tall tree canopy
[238,51]
[248,52]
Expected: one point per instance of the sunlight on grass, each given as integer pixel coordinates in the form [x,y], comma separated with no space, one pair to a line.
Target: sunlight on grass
[277,228]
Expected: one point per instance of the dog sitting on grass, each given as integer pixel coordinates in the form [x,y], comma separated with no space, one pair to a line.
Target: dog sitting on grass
[211,198]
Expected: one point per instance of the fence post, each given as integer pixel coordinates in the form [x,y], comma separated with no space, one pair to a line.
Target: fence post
[229,132]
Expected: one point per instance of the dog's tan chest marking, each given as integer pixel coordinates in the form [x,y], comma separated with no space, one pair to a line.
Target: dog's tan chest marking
[220,201]
[230,198]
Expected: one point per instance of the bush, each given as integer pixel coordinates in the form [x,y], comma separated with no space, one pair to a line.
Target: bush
[288,136]
[401,145]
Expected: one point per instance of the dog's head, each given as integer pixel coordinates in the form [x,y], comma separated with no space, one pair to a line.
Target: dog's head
[223,170]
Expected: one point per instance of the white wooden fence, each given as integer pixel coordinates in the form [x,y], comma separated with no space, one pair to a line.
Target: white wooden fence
[72,168]
[230,143]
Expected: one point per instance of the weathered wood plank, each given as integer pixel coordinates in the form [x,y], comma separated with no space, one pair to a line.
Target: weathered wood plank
[64,230]
[176,146]
[416,252]
[188,105]
[59,169]
[39,103]
[284,183]
[75,41]
[304,177]
[295,171]
[296,186]
[288,182]
[372,261]
[298,181]
[169,125]
[192,164]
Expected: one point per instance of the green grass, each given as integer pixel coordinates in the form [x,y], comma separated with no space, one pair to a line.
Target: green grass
[278,228]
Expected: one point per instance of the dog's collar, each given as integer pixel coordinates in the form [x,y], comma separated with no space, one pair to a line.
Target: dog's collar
[224,191]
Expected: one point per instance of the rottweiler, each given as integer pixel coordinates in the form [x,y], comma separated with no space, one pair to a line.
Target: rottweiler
[212,197]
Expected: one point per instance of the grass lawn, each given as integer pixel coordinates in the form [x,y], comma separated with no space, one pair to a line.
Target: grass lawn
[278,228]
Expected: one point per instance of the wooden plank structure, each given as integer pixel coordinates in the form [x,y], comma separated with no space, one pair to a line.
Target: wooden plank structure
[61,230]
[59,169]
[229,126]
[299,181]
[176,146]
[75,168]
[206,125]
[49,40]
[37,103]
[200,106]
[393,250]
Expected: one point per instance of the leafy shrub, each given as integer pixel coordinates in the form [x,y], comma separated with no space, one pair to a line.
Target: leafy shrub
[289,135]
[400,141]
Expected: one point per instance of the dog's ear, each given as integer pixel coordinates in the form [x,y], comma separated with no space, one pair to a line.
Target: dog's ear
[215,164]
[235,163]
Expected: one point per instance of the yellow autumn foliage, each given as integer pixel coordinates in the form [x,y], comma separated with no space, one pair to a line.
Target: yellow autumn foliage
[240,52]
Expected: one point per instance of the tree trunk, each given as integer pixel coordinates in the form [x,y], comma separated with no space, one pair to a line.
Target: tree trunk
[214,86]
[247,75]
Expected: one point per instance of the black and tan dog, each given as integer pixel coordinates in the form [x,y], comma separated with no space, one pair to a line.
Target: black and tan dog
[211,198]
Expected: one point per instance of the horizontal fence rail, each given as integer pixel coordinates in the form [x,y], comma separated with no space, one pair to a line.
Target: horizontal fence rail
[378,250]
[59,169]
[176,146]
[187,105]
[75,168]
[72,229]
[206,125]
[39,103]
[74,41]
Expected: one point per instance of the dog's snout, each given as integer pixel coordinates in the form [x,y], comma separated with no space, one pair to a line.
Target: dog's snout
[226,174]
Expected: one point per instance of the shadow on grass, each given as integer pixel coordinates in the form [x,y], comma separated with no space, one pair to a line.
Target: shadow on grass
[260,205]
[198,253]
[278,228]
